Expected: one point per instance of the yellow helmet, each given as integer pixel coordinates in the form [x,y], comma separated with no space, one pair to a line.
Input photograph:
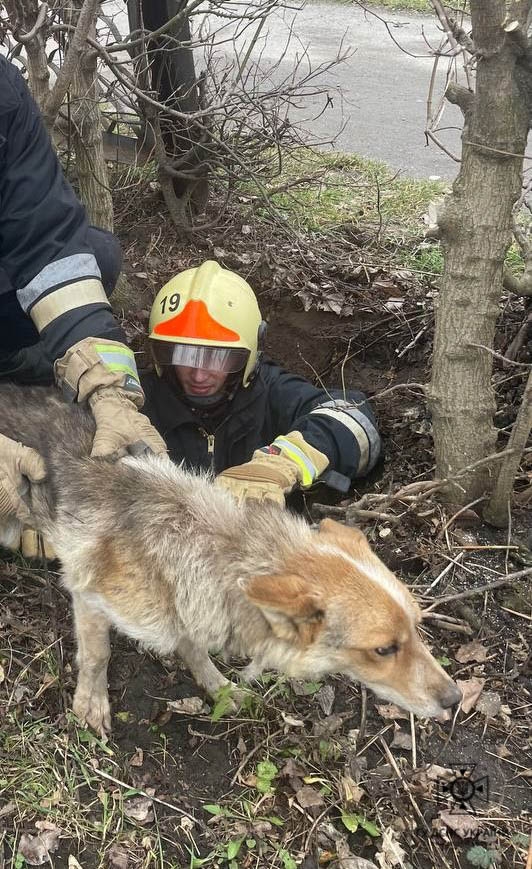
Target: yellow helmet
[207,317]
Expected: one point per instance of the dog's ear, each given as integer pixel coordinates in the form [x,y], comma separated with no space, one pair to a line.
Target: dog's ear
[352,538]
[290,604]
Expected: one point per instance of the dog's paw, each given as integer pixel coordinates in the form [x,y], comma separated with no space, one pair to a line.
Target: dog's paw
[251,673]
[93,710]
[228,700]
[237,697]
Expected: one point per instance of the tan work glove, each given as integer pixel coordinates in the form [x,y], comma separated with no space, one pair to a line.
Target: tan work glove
[17,463]
[34,545]
[274,470]
[120,427]
[104,373]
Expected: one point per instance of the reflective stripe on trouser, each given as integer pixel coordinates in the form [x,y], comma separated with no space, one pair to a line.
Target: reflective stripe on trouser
[307,468]
[360,426]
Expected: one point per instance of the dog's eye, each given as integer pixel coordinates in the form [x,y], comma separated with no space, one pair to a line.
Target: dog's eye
[384,651]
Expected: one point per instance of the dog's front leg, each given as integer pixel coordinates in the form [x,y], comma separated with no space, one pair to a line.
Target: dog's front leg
[205,673]
[91,699]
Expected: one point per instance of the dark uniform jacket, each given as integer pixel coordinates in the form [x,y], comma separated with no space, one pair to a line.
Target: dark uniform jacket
[43,232]
[275,403]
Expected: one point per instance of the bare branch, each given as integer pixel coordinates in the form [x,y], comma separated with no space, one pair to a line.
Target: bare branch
[72,59]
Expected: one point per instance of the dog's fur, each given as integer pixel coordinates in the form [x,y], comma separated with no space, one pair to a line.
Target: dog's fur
[171,560]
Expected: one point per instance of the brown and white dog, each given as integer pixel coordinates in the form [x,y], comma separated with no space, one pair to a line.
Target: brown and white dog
[171,560]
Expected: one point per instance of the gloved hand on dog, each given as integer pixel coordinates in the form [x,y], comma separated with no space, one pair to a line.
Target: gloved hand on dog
[18,464]
[34,545]
[274,470]
[104,374]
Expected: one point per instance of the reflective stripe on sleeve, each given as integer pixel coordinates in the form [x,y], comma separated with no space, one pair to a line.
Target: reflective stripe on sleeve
[67,298]
[71,268]
[120,359]
[360,426]
[307,468]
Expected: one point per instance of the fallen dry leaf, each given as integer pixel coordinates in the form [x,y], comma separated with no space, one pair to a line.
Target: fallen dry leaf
[489,704]
[350,792]
[502,751]
[308,797]
[291,720]
[390,711]
[293,769]
[73,863]
[261,828]
[139,809]
[391,853]
[137,759]
[330,724]
[117,857]
[473,651]
[401,739]
[471,690]
[53,800]
[347,860]
[464,825]
[440,773]
[187,705]
[325,698]
[36,850]
[330,840]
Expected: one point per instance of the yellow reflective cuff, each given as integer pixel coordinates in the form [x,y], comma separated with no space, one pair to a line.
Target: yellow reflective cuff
[118,359]
[65,299]
[307,469]
[109,350]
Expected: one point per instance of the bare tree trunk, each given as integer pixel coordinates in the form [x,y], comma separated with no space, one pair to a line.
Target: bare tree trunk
[476,229]
[169,66]
[497,511]
[29,21]
[87,132]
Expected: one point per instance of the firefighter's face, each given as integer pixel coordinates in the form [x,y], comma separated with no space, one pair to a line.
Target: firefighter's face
[200,381]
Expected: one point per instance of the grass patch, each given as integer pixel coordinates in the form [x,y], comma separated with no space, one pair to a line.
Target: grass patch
[422,6]
[325,193]
[399,5]
[406,5]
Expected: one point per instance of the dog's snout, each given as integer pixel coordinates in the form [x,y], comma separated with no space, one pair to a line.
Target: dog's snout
[450,696]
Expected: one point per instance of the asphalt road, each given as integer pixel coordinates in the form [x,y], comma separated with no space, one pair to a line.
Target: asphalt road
[379,93]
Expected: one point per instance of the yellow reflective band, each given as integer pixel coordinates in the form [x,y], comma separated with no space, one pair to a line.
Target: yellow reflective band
[113,350]
[118,359]
[67,298]
[307,469]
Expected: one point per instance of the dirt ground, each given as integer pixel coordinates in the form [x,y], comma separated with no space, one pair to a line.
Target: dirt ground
[307,774]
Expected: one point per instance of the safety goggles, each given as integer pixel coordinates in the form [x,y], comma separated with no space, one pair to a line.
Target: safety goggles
[226,359]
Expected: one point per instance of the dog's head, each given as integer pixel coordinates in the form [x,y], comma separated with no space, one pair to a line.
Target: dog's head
[339,609]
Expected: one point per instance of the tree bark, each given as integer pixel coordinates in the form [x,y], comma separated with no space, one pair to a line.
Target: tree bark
[29,25]
[87,133]
[497,511]
[476,229]
[171,74]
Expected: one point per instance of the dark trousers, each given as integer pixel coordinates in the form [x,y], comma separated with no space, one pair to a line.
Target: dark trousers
[21,355]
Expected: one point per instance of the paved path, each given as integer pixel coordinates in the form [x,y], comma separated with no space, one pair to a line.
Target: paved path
[382,111]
